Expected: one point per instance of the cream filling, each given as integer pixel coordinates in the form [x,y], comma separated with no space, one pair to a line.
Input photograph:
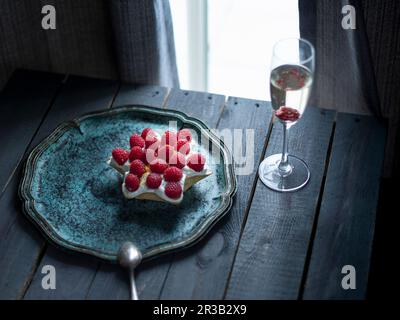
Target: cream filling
[160,191]
[121,169]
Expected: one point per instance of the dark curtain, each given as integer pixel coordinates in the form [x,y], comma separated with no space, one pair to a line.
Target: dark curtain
[382,25]
[357,70]
[131,40]
[144,41]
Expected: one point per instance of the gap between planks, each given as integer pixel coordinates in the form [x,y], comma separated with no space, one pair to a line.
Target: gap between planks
[44,248]
[29,279]
[100,263]
[248,206]
[171,260]
[317,212]
[19,162]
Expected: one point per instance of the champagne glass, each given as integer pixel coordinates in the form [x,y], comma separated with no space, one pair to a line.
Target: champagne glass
[291,79]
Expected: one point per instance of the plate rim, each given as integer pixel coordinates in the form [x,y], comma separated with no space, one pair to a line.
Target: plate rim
[28,201]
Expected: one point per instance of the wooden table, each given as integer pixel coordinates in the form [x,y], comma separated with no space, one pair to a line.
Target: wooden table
[270,246]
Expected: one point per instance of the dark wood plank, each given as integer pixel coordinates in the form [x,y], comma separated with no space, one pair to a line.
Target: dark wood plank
[153,96]
[202,271]
[21,244]
[346,221]
[23,104]
[202,105]
[76,272]
[271,256]
[26,98]
[111,282]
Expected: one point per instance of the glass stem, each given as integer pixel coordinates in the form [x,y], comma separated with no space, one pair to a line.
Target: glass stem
[284,166]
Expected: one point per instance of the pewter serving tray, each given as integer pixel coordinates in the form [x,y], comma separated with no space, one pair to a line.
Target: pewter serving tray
[75,198]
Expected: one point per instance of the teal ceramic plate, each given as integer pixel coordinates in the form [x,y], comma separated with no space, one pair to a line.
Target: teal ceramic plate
[75,198]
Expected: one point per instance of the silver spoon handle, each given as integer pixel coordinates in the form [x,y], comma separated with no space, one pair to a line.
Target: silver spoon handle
[134,294]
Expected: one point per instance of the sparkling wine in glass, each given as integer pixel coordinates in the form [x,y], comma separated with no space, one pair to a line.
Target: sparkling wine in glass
[291,80]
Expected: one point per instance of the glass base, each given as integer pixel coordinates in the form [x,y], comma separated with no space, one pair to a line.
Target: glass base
[269,174]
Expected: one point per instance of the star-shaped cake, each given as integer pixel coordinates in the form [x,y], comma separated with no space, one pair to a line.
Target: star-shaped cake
[159,167]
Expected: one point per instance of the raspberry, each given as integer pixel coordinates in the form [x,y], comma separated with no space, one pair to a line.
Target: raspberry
[158,166]
[151,141]
[136,153]
[132,182]
[196,162]
[150,155]
[120,155]
[166,152]
[173,190]
[173,174]
[280,83]
[137,167]
[136,140]
[177,160]
[153,180]
[146,131]
[169,138]
[183,146]
[287,114]
[185,134]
